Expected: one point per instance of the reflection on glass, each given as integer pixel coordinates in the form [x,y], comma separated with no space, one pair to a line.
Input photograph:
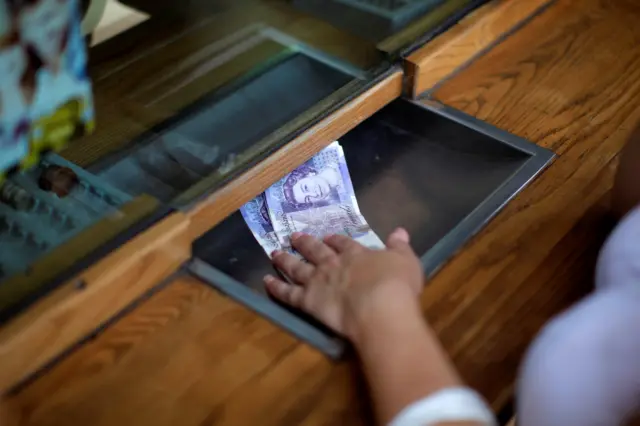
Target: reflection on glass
[209,137]
[225,75]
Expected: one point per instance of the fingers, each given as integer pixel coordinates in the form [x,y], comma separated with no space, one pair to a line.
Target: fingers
[293,267]
[343,244]
[399,240]
[312,249]
[292,295]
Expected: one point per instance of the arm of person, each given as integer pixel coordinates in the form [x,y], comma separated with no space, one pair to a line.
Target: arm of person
[371,297]
[401,357]
[626,188]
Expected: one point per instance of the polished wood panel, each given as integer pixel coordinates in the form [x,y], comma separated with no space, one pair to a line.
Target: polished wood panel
[188,356]
[474,34]
[77,308]
[222,203]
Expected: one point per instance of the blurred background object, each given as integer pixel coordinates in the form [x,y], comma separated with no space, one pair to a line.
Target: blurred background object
[92,13]
[104,19]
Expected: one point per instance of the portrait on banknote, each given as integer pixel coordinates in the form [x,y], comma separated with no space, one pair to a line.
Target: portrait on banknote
[308,187]
[318,199]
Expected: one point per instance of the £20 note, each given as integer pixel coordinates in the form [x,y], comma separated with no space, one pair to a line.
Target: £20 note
[318,199]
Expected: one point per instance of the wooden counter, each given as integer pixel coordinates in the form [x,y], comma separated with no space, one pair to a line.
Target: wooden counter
[567,80]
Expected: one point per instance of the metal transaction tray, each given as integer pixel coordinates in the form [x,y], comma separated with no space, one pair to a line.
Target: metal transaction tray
[445,173]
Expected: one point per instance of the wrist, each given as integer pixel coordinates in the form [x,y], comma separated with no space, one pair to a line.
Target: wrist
[400,356]
[387,307]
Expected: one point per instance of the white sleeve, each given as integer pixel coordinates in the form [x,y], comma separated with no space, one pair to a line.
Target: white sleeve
[447,405]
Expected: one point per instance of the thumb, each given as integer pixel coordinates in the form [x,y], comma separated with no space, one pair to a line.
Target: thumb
[399,240]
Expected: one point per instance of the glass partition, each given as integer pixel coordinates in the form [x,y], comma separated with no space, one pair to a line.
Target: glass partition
[181,97]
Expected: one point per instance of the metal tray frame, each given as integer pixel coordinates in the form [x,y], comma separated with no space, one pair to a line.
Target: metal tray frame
[539,159]
[325,340]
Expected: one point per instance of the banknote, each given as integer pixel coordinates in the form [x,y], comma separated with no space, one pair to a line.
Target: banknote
[257,218]
[318,199]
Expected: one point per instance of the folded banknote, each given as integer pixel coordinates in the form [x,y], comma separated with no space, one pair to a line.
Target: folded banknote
[257,218]
[317,199]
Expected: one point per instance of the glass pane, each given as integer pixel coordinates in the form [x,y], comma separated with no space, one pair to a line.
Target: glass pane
[211,134]
[221,77]
[176,98]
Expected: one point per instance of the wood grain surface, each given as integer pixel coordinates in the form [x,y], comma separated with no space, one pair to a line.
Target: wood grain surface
[190,356]
[478,31]
[569,81]
[77,308]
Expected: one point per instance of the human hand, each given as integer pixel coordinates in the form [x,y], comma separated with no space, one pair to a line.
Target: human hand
[344,281]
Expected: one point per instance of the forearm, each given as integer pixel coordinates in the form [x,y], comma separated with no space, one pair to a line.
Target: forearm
[401,357]
[626,189]
[369,296]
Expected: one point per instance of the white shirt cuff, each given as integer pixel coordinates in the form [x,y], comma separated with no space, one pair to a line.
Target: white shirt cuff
[447,405]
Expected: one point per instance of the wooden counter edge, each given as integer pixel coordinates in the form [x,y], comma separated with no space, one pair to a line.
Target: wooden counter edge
[58,321]
[471,37]
[230,198]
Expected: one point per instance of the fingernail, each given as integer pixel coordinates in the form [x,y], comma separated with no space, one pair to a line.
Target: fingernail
[268,278]
[401,233]
[296,235]
[275,253]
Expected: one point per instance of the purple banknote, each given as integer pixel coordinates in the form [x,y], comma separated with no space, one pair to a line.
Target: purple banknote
[318,199]
[256,216]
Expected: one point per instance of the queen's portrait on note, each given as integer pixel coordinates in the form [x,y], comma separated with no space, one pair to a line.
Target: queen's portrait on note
[307,187]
